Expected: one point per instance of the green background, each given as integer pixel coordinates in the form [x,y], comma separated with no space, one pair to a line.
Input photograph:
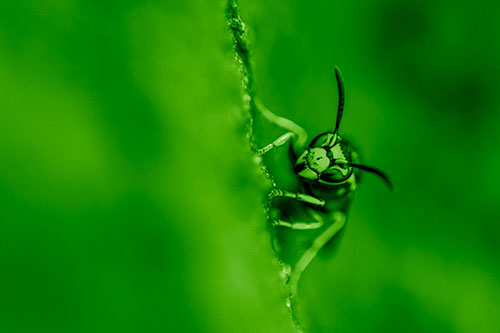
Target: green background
[130,201]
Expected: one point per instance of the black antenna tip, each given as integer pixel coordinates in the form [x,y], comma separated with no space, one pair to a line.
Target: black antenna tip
[338,72]
[340,109]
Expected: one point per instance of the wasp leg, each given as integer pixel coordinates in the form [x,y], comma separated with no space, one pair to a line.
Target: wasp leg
[318,223]
[298,225]
[276,143]
[297,196]
[304,261]
[300,138]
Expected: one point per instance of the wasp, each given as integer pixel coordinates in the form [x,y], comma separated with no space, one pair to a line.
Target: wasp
[328,170]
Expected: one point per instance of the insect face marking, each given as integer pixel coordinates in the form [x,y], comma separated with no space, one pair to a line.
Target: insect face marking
[338,154]
[317,160]
[312,162]
[327,160]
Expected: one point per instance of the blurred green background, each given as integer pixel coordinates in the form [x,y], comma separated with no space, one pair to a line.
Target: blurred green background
[130,202]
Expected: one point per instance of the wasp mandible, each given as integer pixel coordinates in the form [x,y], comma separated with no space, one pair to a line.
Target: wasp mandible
[327,171]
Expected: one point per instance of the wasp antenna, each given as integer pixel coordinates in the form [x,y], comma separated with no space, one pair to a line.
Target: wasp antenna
[378,172]
[340,110]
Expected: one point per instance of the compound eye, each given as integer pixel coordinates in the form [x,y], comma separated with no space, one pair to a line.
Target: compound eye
[323,140]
